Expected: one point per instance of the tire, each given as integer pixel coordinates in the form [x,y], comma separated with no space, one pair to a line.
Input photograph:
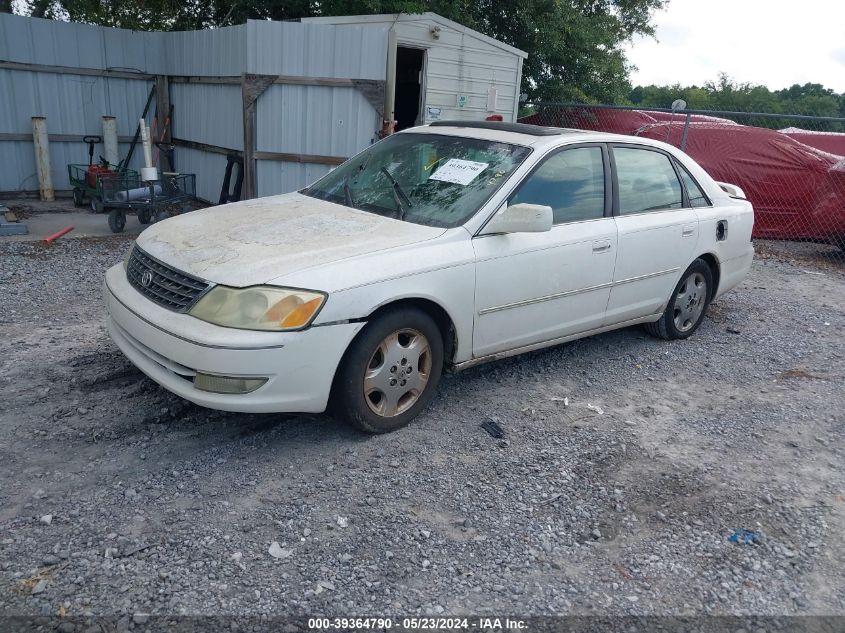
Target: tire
[78,197]
[160,215]
[117,220]
[145,216]
[688,304]
[97,205]
[399,352]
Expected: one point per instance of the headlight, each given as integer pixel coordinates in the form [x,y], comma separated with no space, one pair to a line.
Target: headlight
[128,253]
[259,307]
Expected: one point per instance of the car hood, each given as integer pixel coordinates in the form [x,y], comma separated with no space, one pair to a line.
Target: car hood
[255,241]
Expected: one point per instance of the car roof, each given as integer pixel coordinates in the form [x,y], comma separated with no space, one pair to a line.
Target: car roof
[530,135]
[516,133]
[519,128]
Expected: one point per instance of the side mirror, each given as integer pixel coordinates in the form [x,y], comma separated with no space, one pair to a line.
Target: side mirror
[520,218]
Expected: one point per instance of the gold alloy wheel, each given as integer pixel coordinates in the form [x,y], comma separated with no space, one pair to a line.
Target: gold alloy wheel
[397,373]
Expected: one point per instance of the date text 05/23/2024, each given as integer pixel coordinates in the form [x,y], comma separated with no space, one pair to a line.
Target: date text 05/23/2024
[417,623]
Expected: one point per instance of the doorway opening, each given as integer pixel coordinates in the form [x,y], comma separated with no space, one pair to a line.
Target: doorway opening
[409,73]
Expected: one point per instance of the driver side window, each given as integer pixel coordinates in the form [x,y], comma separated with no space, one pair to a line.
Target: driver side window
[571,182]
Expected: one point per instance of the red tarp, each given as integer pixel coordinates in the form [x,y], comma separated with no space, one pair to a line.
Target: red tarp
[832,142]
[611,120]
[798,191]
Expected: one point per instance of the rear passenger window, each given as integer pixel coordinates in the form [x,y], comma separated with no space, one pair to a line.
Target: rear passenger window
[571,182]
[647,181]
[696,195]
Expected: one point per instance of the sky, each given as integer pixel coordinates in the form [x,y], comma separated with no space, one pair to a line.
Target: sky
[774,43]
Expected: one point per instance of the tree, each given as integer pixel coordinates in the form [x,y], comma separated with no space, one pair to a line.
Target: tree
[575,47]
[728,95]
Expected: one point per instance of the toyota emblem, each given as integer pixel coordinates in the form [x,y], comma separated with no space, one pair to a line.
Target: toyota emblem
[146,278]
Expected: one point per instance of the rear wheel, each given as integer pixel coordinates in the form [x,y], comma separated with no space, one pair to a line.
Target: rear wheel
[145,216]
[117,220]
[390,371]
[78,197]
[687,305]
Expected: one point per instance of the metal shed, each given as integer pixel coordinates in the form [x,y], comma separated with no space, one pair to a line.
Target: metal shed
[438,69]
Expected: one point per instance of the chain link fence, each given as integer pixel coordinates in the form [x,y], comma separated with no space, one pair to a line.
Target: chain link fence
[791,167]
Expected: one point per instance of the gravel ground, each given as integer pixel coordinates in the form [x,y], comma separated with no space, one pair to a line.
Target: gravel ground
[118,499]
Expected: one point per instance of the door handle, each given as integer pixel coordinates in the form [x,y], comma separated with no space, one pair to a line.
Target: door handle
[601,247]
[689,229]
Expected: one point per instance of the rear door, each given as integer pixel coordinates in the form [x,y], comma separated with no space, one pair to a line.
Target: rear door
[657,231]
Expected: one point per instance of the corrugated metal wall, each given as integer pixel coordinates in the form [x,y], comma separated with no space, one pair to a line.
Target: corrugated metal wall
[314,120]
[209,168]
[217,52]
[37,41]
[206,113]
[209,114]
[321,120]
[312,50]
[73,104]
[309,120]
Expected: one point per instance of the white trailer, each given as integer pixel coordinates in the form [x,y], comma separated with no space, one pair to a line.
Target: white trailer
[437,69]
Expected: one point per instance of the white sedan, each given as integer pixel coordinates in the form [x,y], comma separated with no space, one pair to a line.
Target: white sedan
[438,248]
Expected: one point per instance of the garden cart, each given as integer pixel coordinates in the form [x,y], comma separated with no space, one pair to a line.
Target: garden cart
[86,180]
[151,201]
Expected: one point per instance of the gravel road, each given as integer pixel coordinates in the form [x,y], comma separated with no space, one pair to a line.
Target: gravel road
[118,499]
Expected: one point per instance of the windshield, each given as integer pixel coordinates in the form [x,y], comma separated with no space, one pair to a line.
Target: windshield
[423,178]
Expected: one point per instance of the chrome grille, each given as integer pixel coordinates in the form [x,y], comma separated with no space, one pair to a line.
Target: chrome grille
[165,285]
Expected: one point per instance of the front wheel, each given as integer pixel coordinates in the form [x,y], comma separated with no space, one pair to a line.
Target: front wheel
[78,197]
[687,305]
[390,372]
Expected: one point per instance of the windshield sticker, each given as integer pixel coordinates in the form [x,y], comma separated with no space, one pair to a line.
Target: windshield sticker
[459,172]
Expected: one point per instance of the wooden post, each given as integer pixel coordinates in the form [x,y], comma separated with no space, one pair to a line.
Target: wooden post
[42,158]
[252,87]
[249,149]
[390,90]
[163,122]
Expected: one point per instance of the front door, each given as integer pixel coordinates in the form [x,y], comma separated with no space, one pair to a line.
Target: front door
[535,287]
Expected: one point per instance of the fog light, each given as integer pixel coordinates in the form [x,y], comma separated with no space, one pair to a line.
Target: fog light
[227,384]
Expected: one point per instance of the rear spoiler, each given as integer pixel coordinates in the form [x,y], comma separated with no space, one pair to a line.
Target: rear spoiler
[732,190]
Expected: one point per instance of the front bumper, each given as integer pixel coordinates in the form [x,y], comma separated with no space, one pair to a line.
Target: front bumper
[170,348]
